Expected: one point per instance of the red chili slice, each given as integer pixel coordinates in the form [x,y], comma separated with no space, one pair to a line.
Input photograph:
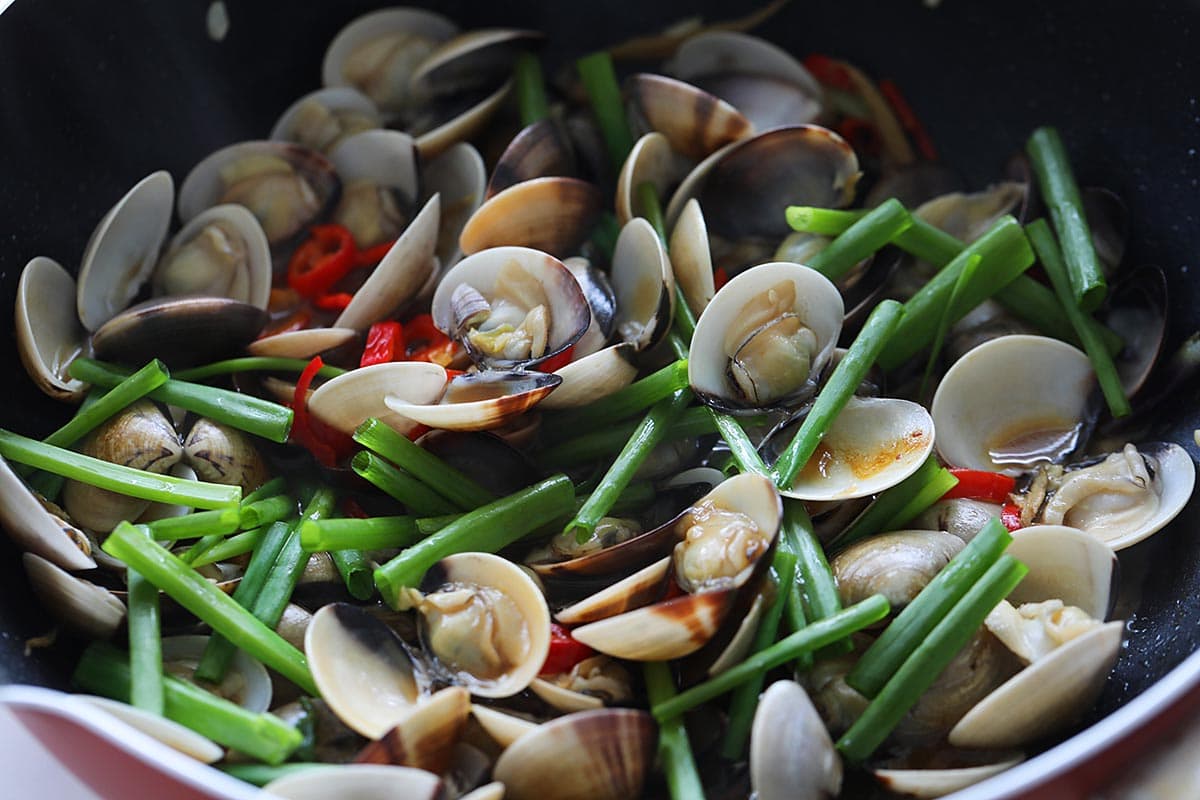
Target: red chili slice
[322,260]
[327,445]
[565,652]
[385,342]
[1010,515]
[977,484]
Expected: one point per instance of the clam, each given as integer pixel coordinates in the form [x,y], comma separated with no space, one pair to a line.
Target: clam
[967,216]
[360,781]
[764,339]
[348,400]
[448,121]
[791,754]
[652,160]
[1066,564]
[511,306]
[540,150]
[378,171]
[123,250]
[930,783]
[484,623]
[992,411]
[961,517]
[478,401]
[40,527]
[458,176]
[724,541]
[644,285]
[691,259]
[286,186]
[694,122]
[301,344]
[170,733]
[141,437]
[503,728]
[181,331]
[425,739]
[471,60]
[378,52]
[221,252]
[554,214]
[81,605]
[49,335]
[593,376]
[592,683]
[220,453]
[322,119]
[595,754]
[246,682]
[897,565]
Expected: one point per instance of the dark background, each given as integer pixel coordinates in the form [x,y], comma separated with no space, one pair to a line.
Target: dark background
[93,96]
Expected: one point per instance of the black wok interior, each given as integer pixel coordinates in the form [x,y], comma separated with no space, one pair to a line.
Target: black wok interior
[93,96]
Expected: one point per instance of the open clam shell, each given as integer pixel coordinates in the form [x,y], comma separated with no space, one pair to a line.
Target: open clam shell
[652,160]
[377,53]
[456,119]
[471,60]
[321,119]
[791,754]
[362,669]
[993,410]
[540,150]
[170,733]
[967,216]
[485,622]
[602,302]
[694,122]
[594,376]
[930,783]
[598,754]
[554,214]
[872,444]
[244,271]
[181,331]
[79,604]
[426,737]
[765,337]
[691,258]
[34,528]
[49,335]
[716,52]
[644,285]
[1065,564]
[478,401]
[285,185]
[123,250]
[246,682]
[503,728]
[459,177]
[511,306]
[370,162]
[348,400]
[360,781]
[301,344]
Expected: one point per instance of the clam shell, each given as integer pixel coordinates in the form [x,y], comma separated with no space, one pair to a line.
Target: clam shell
[79,604]
[791,754]
[652,160]
[255,287]
[766,102]
[1065,564]
[595,754]
[337,98]
[170,733]
[897,564]
[996,395]
[1046,696]
[472,59]
[602,303]
[569,313]
[644,285]
[930,783]
[348,400]
[361,668]
[967,216]
[504,397]
[182,331]
[462,126]
[123,249]
[459,177]
[597,375]
[1175,479]
[399,276]
[553,214]
[644,586]
[359,781]
[718,52]
[301,344]
[817,303]
[490,791]
[49,335]
[691,259]
[426,737]
[246,682]
[492,572]
[563,699]
[540,150]
[872,444]
[385,157]
[503,728]
[695,122]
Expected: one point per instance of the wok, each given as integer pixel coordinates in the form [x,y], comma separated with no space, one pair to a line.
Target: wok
[96,95]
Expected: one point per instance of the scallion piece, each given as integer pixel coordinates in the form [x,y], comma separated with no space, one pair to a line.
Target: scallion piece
[530,87]
[1048,156]
[600,81]
[812,568]
[674,750]
[114,477]
[939,338]
[647,195]
[375,533]
[635,398]
[254,364]
[457,487]
[743,450]
[486,529]
[645,438]
[430,525]
[608,441]
[922,668]
[1051,259]
[915,621]
[290,563]
[876,333]
[251,414]
[888,504]
[221,549]
[91,415]
[356,571]
[104,670]
[267,510]
[813,637]
[192,591]
[145,644]
[863,239]
[397,483]
[941,482]
[217,522]
[1005,254]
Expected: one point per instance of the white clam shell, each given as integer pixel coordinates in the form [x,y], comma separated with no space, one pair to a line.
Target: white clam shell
[717,52]
[872,444]
[460,177]
[1065,564]
[644,285]
[337,98]
[791,754]
[1008,387]
[170,733]
[34,528]
[49,335]
[80,604]
[407,265]
[1045,696]
[358,781]
[503,728]
[387,157]
[301,344]
[691,258]
[256,287]
[246,680]
[562,698]
[123,250]
[818,304]
[348,400]
[507,395]
[651,160]
[930,783]
[594,376]
[432,143]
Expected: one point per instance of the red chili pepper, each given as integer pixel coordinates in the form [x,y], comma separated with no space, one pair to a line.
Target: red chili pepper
[327,445]
[372,255]
[977,484]
[322,260]
[351,508]
[908,119]
[1010,515]
[385,342]
[861,135]
[565,652]
[720,278]
[335,301]
[427,343]
[828,71]
[556,362]
[418,431]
